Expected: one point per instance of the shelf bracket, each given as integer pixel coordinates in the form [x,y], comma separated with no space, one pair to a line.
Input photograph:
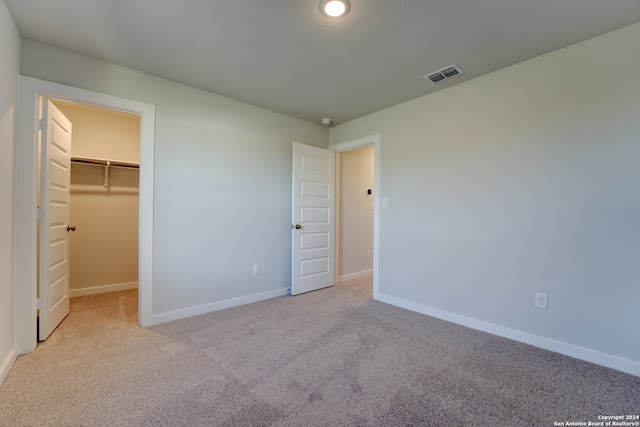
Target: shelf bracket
[106,173]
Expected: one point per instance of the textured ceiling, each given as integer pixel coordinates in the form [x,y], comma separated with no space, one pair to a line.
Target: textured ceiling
[286,56]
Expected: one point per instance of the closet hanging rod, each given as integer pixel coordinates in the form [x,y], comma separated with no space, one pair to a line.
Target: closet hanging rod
[104,162]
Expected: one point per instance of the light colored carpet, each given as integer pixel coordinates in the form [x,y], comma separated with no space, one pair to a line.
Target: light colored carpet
[333,357]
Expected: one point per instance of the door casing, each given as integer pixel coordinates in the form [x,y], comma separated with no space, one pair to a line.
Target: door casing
[30,92]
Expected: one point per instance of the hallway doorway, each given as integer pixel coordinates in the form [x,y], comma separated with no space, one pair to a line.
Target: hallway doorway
[354,210]
[374,142]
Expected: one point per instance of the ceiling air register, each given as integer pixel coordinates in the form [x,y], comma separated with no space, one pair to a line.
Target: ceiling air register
[443,74]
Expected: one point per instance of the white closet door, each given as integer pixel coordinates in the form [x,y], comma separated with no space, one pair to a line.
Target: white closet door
[54,219]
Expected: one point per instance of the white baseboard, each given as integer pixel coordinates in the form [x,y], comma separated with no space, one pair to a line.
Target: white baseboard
[356,275]
[102,289]
[593,356]
[220,305]
[7,363]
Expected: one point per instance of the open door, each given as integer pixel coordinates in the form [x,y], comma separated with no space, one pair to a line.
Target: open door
[313,204]
[53,303]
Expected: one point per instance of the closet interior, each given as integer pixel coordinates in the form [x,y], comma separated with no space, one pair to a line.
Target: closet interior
[104,198]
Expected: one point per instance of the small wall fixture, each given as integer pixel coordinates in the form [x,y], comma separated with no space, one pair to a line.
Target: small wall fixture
[326,122]
[334,8]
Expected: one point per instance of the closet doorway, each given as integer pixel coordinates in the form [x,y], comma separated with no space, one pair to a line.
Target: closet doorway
[104,202]
[31,91]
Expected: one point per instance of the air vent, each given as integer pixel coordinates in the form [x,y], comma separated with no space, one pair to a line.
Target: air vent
[444,74]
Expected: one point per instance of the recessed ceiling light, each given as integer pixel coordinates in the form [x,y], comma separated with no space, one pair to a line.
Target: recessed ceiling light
[334,8]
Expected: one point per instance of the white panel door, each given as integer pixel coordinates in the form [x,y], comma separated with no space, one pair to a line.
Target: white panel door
[313,218]
[53,302]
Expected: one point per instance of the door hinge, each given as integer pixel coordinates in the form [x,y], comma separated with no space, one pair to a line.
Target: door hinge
[39,213]
[39,303]
[40,124]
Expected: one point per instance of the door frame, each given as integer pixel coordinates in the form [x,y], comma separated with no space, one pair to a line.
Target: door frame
[25,189]
[377,185]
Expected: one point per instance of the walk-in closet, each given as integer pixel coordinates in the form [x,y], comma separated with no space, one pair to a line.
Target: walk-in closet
[105,161]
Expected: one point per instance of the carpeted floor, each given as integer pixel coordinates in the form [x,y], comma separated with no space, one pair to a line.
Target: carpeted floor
[333,357]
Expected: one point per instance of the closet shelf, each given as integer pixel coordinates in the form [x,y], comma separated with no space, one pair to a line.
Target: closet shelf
[107,164]
[104,162]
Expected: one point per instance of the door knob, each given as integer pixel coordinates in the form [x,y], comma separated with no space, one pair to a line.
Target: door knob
[297,226]
[71,228]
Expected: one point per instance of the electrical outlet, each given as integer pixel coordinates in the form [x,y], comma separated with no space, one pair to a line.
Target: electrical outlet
[541,300]
[256,269]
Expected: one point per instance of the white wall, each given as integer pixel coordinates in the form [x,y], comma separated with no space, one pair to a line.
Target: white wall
[356,213]
[222,183]
[521,181]
[10,59]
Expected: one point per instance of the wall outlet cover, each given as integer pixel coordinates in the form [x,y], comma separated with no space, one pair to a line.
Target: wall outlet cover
[540,301]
